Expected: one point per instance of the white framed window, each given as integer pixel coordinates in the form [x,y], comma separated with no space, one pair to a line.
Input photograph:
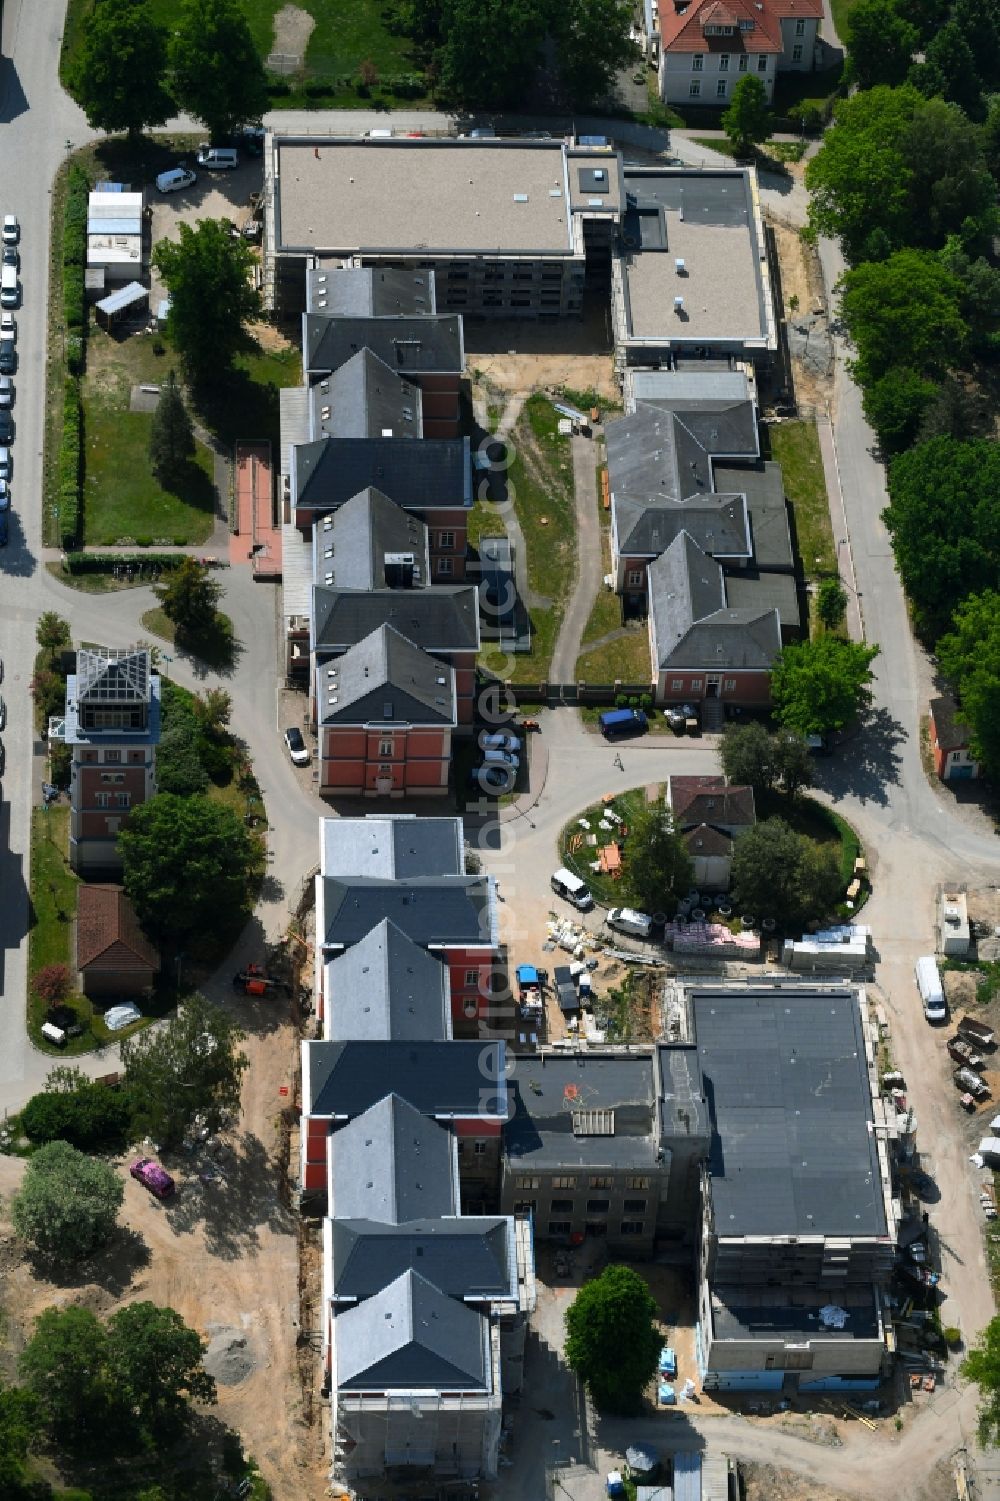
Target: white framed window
[800,28]
[695,89]
[471,979]
[123,799]
[385,748]
[634,576]
[797,53]
[446,541]
[112,778]
[385,771]
[729,685]
[112,756]
[723,62]
[677,685]
[103,799]
[720,89]
[444,566]
[697,62]
[762,63]
[743,62]
[695,684]
[479,1148]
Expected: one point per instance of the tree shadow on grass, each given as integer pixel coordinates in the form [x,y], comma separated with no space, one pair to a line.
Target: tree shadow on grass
[239,407]
[111,1267]
[189,1466]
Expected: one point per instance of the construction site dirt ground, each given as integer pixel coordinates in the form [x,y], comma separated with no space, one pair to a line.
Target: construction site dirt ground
[225,1254]
[803,293]
[524,356]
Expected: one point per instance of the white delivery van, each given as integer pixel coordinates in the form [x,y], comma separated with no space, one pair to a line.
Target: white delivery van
[218,158]
[931,989]
[565,884]
[627,920]
[10,290]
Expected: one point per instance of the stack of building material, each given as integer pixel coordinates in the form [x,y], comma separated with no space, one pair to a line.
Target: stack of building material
[844,948]
[713,939]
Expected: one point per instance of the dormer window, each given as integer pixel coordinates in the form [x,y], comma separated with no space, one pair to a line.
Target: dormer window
[746,25]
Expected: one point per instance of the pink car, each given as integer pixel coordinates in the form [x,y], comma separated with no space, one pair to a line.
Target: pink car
[156,1178]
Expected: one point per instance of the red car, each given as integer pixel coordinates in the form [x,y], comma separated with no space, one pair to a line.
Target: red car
[155,1178]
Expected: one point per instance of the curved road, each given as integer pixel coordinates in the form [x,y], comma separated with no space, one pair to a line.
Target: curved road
[910,829]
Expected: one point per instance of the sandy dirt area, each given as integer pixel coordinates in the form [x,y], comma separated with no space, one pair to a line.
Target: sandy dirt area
[224,1254]
[802,279]
[292,29]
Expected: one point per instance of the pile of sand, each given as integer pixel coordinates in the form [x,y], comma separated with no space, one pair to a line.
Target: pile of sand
[229,1357]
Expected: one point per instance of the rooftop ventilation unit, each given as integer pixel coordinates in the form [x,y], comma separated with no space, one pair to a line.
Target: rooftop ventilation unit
[678,304]
[679,266]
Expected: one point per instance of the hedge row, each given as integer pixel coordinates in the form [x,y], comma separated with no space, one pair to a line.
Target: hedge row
[104,562]
[70,458]
[401,86]
[74,264]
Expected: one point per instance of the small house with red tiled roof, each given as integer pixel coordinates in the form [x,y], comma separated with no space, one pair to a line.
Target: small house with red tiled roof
[707,46]
[113,954]
[950,737]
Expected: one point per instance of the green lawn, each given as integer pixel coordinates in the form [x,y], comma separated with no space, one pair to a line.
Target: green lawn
[580,858]
[216,650]
[795,446]
[485,521]
[625,660]
[121,498]
[816,821]
[841,10]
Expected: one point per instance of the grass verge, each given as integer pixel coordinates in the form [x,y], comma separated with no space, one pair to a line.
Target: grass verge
[215,649]
[580,856]
[795,446]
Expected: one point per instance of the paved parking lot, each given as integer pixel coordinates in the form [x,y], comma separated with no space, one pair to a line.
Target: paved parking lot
[216,195]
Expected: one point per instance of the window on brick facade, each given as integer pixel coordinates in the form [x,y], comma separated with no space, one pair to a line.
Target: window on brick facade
[446,541]
[112,756]
[598,1206]
[471,978]
[634,1206]
[562,1206]
[729,686]
[634,577]
[112,778]
[123,799]
[479,1148]
[637,1181]
[695,683]
[528,1182]
[558,1227]
[564,1182]
[444,565]
[385,747]
[103,799]
[631,1227]
[601,1182]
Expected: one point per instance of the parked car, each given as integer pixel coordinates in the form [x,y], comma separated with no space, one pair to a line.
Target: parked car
[297,748]
[931,990]
[11,257]
[492,778]
[175,179]
[11,229]
[153,1176]
[3,753]
[8,326]
[627,920]
[251,139]
[570,887]
[501,757]
[8,355]
[617,722]
[3,714]
[217,158]
[499,740]
[4,533]
[6,426]
[6,391]
[6,465]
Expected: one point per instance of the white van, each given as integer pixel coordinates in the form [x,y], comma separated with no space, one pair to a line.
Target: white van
[10,287]
[565,884]
[627,920]
[218,158]
[931,989]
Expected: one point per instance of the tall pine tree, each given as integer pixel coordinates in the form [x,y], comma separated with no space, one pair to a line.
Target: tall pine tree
[171,438]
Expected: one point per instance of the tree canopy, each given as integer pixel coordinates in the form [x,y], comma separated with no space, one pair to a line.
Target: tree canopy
[190,598]
[751,756]
[171,437]
[969,657]
[67,1204]
[898,170]
[591,44]
[118,77]
[818,686]
[207,272]
[75,1109]
[948,71]
[942,517]
[189,866]
[612,1342]
[880,43]
[155,1363]
[895,404]
[18,1435]
[831,603]
[190,1067]
[218,75]
[903,311]
[782,875]
[982,1365]
[658,867]
[748,120]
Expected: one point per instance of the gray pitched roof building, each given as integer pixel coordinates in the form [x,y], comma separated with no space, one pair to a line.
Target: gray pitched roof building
[692,625]
[393,1164]
[365,399]
[435,911]
[369,292]
[391,846]
[468,1257]
[413,345]
[412,1337]
[385,680]
[444,618]
[446,1080]
[434,473]
[369,543]
[387,987]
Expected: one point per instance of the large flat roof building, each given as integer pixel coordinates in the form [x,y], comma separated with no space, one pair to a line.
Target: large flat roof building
[504,224]
[691,276]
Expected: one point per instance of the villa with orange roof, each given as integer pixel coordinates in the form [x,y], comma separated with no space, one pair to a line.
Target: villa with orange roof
[707,46]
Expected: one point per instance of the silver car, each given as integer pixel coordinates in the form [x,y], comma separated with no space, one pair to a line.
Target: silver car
[6,391]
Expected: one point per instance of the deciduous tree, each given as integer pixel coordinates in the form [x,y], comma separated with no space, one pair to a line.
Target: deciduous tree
[191,1067]
[18,1436]
[792,762]
[178,763]
[942,519]
[154,1359]
[73,1108]
[64,1367]
[831,603]
[52,983]
[747,756]
[171,437]
[818,686]
[218,75]
[118,79]
[903,311]
[190,866]
[592,43]
[982,1365]
[969,656]
[880,43]
[657,865]
[948,71]
[190,598]
[782,875]
[52,632]
[207,272]
[67,1204]
[747,122]
[612,1342]
[896,404]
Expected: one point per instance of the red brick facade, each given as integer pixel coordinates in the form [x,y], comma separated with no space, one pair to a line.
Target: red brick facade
[385,763]
[684,685]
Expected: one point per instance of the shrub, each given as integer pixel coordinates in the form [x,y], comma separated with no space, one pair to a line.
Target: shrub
[951,1335]
[278,88]
[74,256]
[103,562]
[52,983]
[70,453]
[92,1115]
[74,354]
